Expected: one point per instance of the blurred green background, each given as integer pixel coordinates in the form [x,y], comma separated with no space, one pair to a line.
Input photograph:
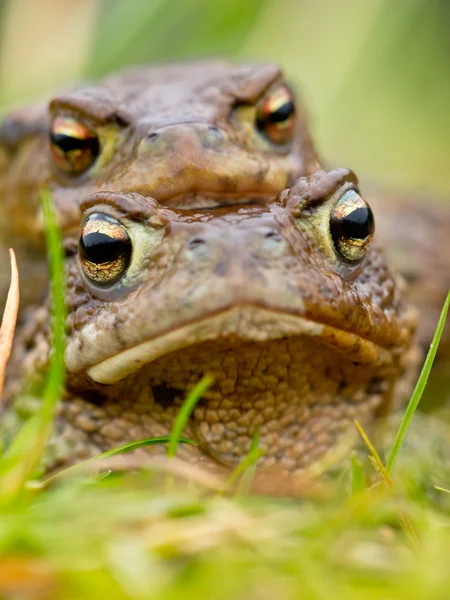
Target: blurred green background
[375,74]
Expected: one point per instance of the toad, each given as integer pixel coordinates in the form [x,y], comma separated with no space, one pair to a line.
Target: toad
[204,236]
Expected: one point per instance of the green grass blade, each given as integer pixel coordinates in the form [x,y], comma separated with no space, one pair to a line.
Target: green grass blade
[378,463]
[164,439]
[55,254]
[418,390]
[185,412]
[358,476]
[249,467]
[404,518]
[26,449]
[248,464]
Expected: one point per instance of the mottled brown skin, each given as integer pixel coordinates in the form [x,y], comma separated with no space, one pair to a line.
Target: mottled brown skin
[232,292]
[174,133]
[170,132]
[233,274]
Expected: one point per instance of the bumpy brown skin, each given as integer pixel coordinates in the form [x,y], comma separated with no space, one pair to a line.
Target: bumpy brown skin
[181,103]
[298,341]
[170,132]
[228,280]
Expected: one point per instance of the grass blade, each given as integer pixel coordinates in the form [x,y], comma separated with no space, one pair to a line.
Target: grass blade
[358,476]
[418,390]
[185,412]
[26,449]
[57,291]
[405,519]
[118,450]
[247,466]
[164,439]
[376,457]
[9,320]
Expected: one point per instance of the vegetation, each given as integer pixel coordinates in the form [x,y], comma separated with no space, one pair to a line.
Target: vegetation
[378,525]
[173,531]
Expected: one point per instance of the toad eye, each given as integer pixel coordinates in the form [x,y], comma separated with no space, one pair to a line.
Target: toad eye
[74,146]
[104,249]
[352,226]
[275,115]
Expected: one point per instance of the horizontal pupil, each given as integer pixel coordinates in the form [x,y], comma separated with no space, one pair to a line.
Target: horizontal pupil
[68,143]
[283,113]
[358,224]
[100,248]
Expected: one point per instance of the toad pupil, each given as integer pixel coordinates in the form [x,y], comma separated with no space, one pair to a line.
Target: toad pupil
[74,146]
[100,248]
[358,224]
[281,114]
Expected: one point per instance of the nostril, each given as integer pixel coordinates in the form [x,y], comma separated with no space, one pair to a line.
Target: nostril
[199,249]
[196,242]
[273,244]
[212,137]
[154,143]
[273,235]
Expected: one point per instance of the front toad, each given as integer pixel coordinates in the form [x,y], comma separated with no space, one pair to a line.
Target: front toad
[288,306]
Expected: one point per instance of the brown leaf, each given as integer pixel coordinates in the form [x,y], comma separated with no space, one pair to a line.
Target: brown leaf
[9,319]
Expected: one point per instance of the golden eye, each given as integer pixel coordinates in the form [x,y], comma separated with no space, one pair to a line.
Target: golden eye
[104,249]
[352,226]
[73,145]
[275,115]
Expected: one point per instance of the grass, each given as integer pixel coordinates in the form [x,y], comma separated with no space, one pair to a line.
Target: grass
[184,414]
[24,452]
[378,529]
[367,532]
[418,390]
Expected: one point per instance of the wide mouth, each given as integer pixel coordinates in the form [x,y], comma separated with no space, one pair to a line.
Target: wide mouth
[248,323]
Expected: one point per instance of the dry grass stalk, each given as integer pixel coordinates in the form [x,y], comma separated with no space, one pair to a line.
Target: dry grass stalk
[9,319]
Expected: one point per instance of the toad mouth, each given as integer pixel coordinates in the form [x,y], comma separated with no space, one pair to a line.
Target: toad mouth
[200,197]
[206,200]
[247,323]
